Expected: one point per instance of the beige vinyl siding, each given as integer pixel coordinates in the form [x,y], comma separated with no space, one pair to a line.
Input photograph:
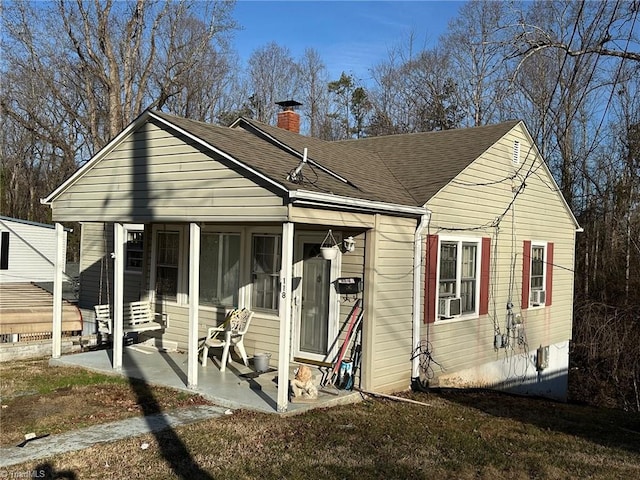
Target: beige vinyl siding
[352,265]
[262,336]
[391,321]
[538,214]
[94,244]
[153,175]
[330,218]
[95,260]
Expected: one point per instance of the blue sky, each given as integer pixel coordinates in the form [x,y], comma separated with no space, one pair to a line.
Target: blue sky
[350,36]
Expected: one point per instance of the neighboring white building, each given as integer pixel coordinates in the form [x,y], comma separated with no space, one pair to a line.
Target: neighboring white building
[27,251]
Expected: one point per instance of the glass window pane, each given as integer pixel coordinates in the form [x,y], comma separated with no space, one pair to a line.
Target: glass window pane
[219,269]
[469,260]
[134,251]
[230,271]
[468,295]
[266,251]
[448,260]
[167,283]
[209,265]
[167,265]
[537,268]
[537,261]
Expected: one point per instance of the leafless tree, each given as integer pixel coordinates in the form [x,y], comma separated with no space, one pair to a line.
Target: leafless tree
[273,77]
[414,91]
[559,95]
[575,65]
[75,73]
[615,23]
[477,49]
[201,74]
[313,90]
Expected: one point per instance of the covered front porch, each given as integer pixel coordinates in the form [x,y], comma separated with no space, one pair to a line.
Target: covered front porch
[238,387]
[303,323]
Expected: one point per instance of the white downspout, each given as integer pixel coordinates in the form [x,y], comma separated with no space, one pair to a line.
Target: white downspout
[417,291]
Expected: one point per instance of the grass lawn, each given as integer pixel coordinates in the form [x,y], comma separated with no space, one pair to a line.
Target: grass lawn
[458,435]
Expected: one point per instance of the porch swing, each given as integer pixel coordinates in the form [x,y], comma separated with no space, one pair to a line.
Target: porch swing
[137,316]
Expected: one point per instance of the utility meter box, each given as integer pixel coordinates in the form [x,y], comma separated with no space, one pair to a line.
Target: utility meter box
[349,285]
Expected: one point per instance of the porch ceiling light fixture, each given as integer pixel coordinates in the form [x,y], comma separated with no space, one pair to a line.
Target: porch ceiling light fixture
[349,244]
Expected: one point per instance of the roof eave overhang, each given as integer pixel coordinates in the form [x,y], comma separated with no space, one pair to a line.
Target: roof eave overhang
[325,200]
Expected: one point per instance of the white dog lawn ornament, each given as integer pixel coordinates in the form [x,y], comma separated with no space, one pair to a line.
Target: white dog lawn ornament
[302,385]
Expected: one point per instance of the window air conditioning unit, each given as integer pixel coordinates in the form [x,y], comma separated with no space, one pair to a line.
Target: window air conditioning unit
[538,297]
[450,307]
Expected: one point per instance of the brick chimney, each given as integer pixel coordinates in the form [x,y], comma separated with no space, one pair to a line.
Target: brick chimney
[288,119]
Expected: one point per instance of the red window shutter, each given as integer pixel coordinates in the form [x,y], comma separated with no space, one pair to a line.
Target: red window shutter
[485,263]
[431,279]
[549,279]
[526,273]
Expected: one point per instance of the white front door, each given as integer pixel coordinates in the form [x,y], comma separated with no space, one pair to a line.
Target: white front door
[316,301]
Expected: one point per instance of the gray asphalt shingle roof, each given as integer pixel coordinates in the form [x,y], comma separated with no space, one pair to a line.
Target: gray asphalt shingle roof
[363,168]
[405,169]
[425,162]
[262,156]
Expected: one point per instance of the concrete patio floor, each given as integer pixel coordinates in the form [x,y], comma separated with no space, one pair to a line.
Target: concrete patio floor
[239,387]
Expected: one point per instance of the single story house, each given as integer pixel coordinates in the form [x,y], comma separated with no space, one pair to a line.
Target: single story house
[458,243]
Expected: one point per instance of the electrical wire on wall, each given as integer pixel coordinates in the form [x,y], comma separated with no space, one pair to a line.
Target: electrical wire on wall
[423,352]
[493,283]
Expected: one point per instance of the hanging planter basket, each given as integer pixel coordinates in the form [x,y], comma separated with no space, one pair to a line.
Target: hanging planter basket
[329,248]
[329,253]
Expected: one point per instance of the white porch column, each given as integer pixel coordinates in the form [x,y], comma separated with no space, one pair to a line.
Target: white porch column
[285,316]
[118,293]
[194,301]
[56,332]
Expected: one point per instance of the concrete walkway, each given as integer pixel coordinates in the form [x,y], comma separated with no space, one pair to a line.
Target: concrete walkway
[108,432]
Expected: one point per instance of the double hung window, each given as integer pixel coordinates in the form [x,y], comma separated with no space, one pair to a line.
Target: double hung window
[537,284]
[167,265]
[134,249]
[458,278]
[537,274]
[219,269]
[266,251]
